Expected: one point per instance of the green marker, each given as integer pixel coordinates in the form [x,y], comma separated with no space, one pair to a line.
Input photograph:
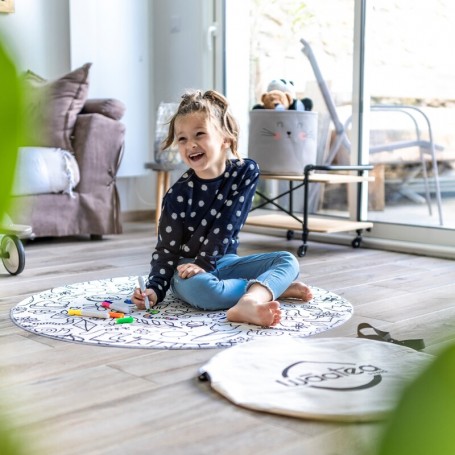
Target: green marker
[126,320]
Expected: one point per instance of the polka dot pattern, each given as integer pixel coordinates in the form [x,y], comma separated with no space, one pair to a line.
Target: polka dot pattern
[201,220]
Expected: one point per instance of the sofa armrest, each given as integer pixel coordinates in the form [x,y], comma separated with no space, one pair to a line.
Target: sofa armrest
[98,146]
[110,107]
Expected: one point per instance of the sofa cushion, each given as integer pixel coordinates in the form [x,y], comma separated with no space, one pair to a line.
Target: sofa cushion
[54,106]
[41,170]
[110,107]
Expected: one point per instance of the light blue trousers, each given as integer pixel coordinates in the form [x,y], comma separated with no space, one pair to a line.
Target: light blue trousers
[222,288]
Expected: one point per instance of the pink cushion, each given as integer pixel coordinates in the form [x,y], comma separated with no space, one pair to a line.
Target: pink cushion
[54,106]
[110,107]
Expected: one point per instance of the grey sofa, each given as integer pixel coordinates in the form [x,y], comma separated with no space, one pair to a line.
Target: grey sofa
[91,129]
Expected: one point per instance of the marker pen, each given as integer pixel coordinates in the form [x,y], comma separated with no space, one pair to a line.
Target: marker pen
[126,320]
[142,287]
[123,307]
[88,313]
[113,314]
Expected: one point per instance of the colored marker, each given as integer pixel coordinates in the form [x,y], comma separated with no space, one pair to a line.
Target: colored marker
[88,313]
[126,320]
[123,307]
[113,314]
[142,287]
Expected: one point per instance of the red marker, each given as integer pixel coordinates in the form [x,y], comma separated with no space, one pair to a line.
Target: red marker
[123,307]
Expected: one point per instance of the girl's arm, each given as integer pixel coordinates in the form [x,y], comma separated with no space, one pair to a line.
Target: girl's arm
[167,252]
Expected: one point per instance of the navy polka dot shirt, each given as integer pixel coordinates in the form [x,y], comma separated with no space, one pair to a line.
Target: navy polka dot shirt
[201,219]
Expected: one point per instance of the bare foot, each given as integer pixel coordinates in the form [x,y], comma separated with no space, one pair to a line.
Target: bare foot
[297,290]
[249,310]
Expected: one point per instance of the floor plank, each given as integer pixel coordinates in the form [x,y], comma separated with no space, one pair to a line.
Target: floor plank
[103,400]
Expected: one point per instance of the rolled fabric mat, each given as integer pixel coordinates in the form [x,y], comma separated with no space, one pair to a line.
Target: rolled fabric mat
[334,379]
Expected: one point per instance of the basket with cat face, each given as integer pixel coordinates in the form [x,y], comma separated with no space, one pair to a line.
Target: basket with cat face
[283,142]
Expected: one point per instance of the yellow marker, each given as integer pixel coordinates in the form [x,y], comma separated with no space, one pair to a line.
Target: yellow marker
[88,313]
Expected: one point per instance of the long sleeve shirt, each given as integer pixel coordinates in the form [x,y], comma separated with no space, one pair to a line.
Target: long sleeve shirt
[201,219]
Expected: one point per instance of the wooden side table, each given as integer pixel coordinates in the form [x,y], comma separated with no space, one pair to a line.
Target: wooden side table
[163,183]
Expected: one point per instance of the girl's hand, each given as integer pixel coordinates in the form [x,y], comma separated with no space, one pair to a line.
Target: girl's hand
[189,270]
[138,298]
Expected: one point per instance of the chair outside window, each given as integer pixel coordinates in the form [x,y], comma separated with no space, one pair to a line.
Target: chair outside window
[420,145]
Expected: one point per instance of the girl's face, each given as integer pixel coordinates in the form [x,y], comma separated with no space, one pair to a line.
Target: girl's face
[201,145]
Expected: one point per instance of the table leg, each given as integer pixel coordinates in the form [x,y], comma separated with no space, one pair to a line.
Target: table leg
[376,190]
[163,183]
[167,180]
[160,182]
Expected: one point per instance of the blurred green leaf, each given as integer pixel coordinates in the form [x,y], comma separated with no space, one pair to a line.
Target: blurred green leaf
[11,121]
[10,441]
[423,421]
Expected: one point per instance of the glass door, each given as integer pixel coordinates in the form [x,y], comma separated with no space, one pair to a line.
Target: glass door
[276,51]
[408,71]
[411,77]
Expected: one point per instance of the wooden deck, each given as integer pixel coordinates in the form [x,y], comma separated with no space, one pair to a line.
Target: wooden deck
[67,398]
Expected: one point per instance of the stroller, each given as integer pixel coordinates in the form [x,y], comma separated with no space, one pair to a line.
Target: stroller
[11,248]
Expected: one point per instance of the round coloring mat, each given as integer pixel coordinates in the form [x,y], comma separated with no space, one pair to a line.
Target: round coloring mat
[176,325]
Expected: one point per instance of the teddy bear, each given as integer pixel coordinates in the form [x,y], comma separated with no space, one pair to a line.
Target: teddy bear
[275,99]
[286,86]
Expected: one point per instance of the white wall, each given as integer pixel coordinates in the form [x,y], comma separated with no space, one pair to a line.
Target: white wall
[181,52]
[116,39]
[143,52]
[238,66]
[37,34]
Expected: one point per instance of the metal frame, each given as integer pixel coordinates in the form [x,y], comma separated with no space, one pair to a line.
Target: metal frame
[342,139]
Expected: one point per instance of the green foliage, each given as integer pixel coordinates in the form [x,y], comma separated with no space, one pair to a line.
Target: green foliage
[11,125]
[281,20]
[423,421]
[9,441]
[11,121]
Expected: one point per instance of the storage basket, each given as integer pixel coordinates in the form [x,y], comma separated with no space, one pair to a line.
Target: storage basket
[283,142]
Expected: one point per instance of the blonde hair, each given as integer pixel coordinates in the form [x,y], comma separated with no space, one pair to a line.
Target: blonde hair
[216,108]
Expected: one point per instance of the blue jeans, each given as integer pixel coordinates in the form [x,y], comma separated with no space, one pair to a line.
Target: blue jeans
[223,287]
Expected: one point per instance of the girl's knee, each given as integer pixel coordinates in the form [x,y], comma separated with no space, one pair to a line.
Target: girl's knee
[202,291]
[291,260]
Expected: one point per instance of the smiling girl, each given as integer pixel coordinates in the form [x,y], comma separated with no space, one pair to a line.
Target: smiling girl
[202,215]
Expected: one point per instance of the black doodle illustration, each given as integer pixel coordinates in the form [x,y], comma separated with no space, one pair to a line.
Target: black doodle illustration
[172,325]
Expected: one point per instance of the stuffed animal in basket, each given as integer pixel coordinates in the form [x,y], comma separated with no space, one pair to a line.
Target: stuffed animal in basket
[275,99]
[287,86]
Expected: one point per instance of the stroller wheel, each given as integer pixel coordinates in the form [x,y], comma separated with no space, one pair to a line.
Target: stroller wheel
[12,254]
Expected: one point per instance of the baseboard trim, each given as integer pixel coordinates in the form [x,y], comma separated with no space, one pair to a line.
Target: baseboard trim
[138,215]
[421,249]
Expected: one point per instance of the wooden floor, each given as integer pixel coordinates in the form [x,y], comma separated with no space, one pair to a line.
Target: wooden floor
[67,398]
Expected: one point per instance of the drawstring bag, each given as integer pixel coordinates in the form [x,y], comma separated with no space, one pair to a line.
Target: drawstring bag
[283,142]
[334,379]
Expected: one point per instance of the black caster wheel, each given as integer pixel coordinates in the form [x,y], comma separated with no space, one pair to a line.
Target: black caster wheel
[356,242]
[12,254]
[290,235]
[301,251]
